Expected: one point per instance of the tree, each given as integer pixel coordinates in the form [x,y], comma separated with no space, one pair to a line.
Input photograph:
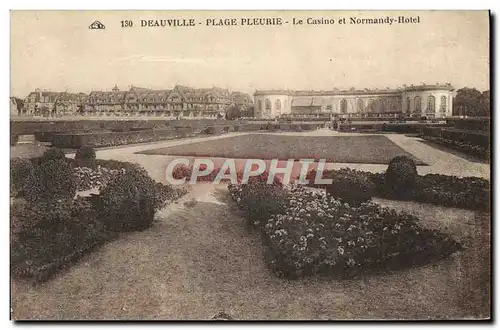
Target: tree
[471,102]
[233,112]
[19,105]
[486,103]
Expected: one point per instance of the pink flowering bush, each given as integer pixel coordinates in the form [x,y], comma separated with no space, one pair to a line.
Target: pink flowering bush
[309,232]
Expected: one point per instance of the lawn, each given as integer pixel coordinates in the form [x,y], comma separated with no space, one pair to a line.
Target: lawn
[199,260]
[367,149]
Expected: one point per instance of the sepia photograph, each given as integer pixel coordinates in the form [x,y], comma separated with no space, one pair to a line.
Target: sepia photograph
[266,165]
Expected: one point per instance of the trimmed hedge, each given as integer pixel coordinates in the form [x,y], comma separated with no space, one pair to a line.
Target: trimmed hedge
[360,127]
[470,142]
[22,174]
[104,139]
[52,179]
[467,193]
[85,157]
[351,188]
[128,202]
[214,130]
[479,124]
[51,230]
[48,236]
[401,176]
[92,125]
[14,138]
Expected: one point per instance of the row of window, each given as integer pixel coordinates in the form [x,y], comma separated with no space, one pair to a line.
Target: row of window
[431,104]
[343,106]
[360,106]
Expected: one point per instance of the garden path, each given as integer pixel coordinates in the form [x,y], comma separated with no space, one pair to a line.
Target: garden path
[199,260]
[439,162]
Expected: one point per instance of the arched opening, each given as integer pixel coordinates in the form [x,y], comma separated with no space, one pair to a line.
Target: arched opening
[361,105]
[431,104]
[343,106]
[417,104]
[442,106]
[268,106]
[408,106]
[277,106]
[259,105]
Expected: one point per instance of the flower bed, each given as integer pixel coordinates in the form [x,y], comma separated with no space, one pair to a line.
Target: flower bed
[465,147]
[309,232]
[51,228]
[87,178]
[467,193]
[469,142]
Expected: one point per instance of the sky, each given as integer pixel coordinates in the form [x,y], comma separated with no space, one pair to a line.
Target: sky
[56,51]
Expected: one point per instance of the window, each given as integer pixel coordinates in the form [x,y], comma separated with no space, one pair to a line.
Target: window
[268,105]
[343,106]
[417,104]
[408,108]
[361,105]
[329,107]
[431,104]
[277,106]
[260,105]
[442,106]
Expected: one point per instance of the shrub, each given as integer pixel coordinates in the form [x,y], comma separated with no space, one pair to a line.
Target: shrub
[52,154]
[165,192]
[14,138]
[259,200]
[318,234]
[50,234]
[85,157]
[351,187]
[52,179]
[401,176]
[128,202]
[39,218]
[22,172]
[468,193]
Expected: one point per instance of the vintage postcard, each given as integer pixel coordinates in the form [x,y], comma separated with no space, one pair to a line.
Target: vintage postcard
[250,165]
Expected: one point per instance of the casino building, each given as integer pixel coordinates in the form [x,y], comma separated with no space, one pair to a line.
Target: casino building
[431,101]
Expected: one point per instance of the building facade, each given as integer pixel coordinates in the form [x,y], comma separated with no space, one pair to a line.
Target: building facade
[432,101]
[181,101]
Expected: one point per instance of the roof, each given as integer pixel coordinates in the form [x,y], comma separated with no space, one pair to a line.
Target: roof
[354,91]
[302,102]
[46,96]
[241,98]
[320,101]
[107,97]
[68,97]
[424,87]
